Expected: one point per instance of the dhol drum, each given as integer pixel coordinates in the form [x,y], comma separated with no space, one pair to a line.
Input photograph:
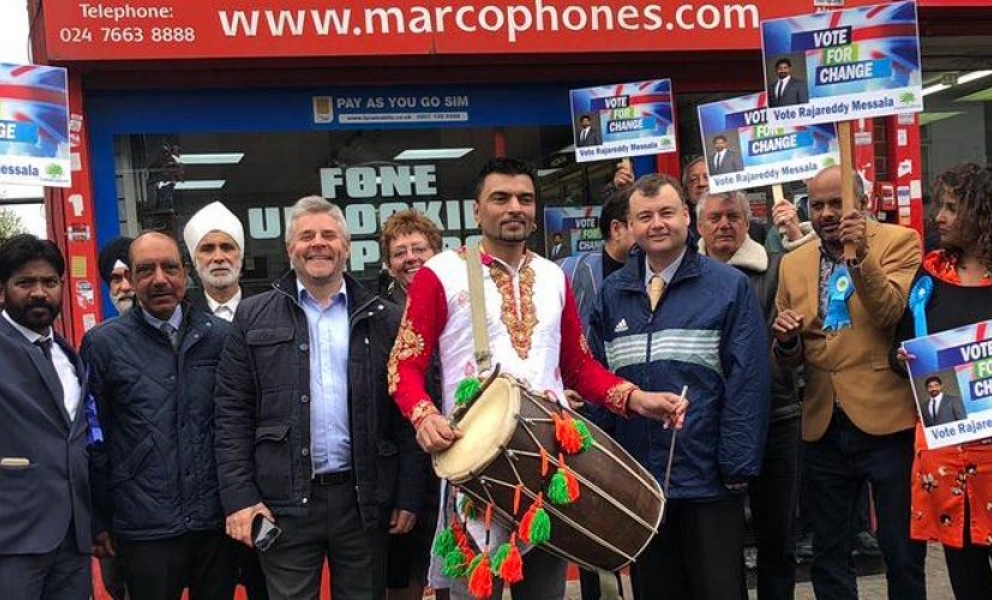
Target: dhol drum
[620,504]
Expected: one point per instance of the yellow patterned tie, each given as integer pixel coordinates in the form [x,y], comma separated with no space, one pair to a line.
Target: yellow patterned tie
[656,288]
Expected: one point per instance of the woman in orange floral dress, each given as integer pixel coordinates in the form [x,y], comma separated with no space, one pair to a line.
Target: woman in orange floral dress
[952,486]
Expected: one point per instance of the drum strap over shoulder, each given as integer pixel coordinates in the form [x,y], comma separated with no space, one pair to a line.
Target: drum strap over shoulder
[480,333]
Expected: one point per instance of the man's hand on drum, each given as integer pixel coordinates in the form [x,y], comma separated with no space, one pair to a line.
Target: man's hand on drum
[436,434]
[660,406]
[575,401]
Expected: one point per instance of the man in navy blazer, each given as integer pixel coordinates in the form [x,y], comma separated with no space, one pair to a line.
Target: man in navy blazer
[786,90]
[45,532]
[940,408]
[724,160]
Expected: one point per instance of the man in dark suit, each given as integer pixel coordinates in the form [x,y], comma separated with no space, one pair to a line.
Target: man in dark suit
[45,532]
[787,90]
[586,134]
[724,160]
[941,408]
[558,250]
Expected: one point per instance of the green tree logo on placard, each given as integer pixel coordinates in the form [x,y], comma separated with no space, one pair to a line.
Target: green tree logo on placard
[908,98]
[54,171]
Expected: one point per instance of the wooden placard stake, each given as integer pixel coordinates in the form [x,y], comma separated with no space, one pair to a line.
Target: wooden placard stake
[847,176]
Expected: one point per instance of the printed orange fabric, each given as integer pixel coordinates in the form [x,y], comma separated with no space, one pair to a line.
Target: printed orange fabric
[943,480]
[945,268]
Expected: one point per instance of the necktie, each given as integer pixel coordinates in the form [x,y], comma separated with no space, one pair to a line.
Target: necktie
[781,88]
[171,333]
[933,410]
[585,132]
[656,288]
[45,344]
[719,159]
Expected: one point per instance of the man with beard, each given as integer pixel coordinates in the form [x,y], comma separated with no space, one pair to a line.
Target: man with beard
[535,334]
[114,270]
[45,530]
[215,239]
[858,416]
[116,274]
[151,372]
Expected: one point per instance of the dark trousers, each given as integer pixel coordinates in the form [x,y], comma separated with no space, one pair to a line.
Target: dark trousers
[544,579]
[698,553]
[332,530]
[773,498]
[968,567]
[204,562]
[62,574]
[250,574]
[112,576]
[837,466]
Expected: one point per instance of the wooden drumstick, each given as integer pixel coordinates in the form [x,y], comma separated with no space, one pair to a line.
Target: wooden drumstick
[671,447]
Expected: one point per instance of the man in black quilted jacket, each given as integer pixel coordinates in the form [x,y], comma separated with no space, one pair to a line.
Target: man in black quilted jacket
[156,495]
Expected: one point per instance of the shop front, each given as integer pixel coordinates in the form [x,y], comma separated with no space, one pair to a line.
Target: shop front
[383,107]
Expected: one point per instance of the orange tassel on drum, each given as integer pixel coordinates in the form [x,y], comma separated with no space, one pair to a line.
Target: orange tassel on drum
[511,568]
[480,578]
[567,435]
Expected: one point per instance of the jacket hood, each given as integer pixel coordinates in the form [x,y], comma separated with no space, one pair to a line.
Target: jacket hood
[751,256]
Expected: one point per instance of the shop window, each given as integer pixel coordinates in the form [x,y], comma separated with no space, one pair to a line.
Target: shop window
[165,179]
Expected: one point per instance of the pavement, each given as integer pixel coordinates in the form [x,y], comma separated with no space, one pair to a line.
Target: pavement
[871,579]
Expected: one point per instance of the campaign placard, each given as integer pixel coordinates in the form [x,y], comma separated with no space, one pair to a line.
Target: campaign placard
[34,125]
[626,119]
[951,375]
[743,150]
[570,230]
[843,65]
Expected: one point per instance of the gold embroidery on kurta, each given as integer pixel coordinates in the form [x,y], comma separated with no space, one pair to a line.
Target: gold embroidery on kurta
[520,322]
[409,344]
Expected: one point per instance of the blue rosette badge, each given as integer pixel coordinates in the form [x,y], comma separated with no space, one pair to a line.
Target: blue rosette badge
[840,288]
[919,296]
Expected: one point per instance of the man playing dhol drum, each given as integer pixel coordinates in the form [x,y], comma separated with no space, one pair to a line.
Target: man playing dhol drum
[535,334]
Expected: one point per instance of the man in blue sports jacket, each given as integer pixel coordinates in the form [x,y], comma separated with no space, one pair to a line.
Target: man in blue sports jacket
[672,318]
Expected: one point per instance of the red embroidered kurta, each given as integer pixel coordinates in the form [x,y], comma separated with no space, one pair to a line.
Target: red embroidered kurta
[534,329]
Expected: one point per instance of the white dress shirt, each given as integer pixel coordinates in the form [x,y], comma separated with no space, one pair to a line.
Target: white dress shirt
[666,274]
[224,310]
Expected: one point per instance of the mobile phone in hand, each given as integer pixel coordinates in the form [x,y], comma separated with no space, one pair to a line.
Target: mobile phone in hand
[264,533]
